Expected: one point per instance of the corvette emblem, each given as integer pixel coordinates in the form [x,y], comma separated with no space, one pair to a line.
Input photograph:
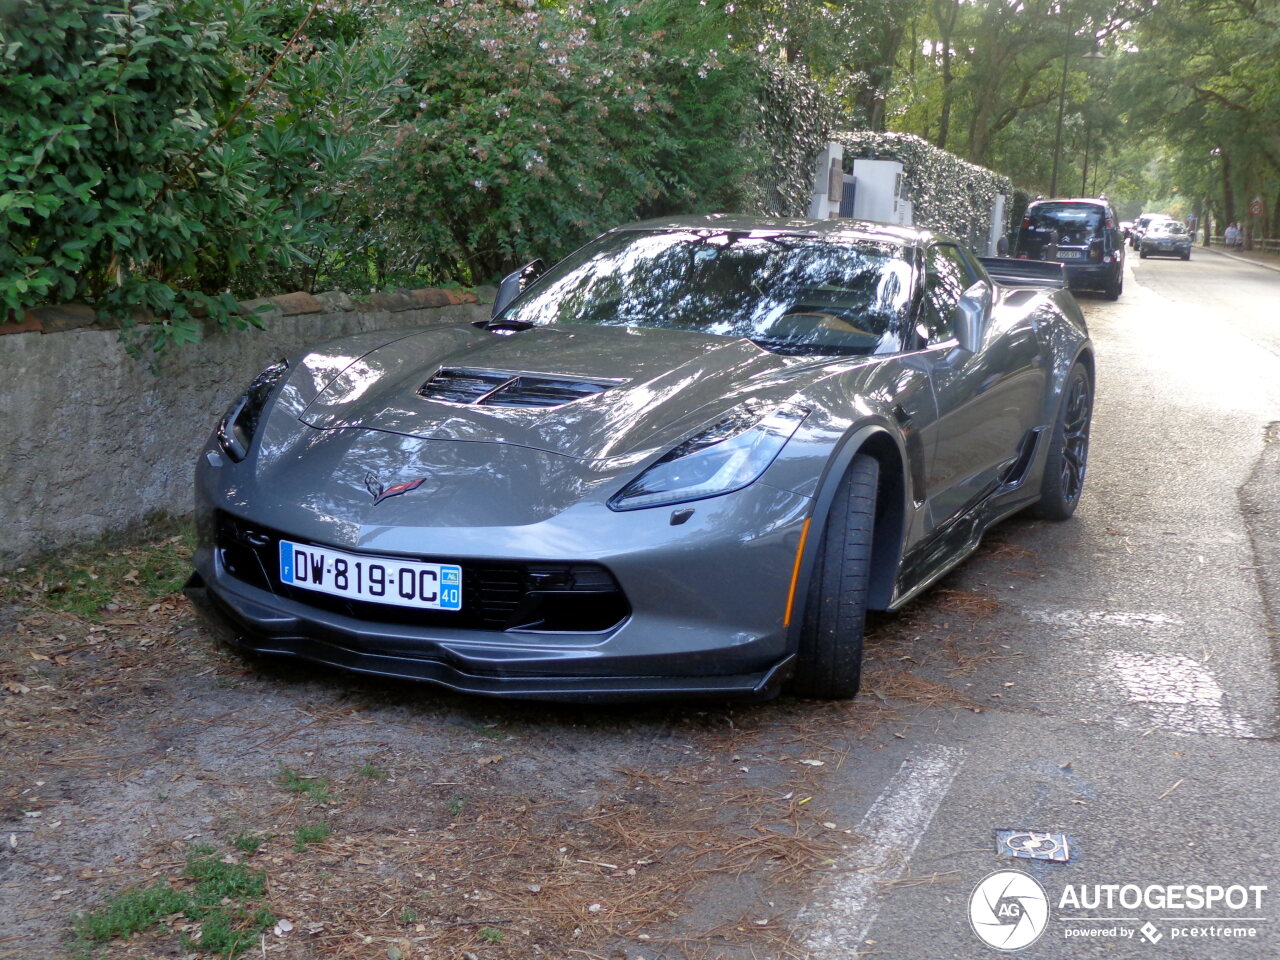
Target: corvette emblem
[379,492]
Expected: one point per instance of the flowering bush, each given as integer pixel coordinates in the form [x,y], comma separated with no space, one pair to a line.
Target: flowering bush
[530,128]
[156,154]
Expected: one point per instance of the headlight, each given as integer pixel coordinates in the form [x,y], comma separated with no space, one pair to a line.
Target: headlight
[240,423]
[726,456]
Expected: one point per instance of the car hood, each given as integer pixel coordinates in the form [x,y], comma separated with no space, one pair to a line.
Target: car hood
[644,387]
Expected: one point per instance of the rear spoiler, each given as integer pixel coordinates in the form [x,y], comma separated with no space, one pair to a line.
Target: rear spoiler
[1025,273]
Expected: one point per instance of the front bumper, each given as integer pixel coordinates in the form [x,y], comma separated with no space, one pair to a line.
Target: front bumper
[705,605]
[349,645]
[1165,250]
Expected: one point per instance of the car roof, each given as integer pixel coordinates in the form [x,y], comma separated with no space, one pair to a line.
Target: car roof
[839,227]
[1070,200]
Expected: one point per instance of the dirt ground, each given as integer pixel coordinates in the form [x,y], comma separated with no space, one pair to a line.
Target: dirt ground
[377,820]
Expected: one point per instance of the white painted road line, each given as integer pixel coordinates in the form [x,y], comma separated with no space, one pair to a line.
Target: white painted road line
[842,916]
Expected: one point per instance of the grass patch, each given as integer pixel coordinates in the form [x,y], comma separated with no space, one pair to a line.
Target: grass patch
[93,580]
[310,833]
[231,931]
[216,880]
[129,912]
[370,772]
[490,934]
[317,788]
[248,842]
[222,897]
[408,915]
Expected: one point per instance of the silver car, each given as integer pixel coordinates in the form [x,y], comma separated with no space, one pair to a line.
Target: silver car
[686,460]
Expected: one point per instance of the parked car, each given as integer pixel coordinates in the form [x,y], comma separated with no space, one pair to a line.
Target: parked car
[684,461]
[1143,224]
[1166,238]
[1079,233]
[1126,227]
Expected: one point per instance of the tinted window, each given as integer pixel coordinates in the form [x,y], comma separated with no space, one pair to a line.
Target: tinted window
[790,294]
[947,276]
[1065,223]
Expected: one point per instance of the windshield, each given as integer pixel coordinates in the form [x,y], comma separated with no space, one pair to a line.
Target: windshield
[1167,227]
[786,293]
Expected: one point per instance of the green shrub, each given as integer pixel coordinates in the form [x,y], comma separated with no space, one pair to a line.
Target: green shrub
[152,151]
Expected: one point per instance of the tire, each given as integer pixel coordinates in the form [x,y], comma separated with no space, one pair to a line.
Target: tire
[1114,287]
[829,660]
[1064,468]
[1142,254]
[1187,255]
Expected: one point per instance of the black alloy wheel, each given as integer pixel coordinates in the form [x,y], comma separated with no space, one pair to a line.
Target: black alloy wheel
[1064,469]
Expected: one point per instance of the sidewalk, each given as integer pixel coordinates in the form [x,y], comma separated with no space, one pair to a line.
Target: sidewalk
[1269,260]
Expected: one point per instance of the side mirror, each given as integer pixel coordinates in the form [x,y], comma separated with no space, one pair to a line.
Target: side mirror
[514,283]
[972,312]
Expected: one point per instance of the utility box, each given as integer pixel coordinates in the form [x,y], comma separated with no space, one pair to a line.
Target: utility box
[997,226]
[881,192]
[828,183]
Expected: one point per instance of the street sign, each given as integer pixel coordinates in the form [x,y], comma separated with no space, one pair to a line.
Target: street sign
[1256,207]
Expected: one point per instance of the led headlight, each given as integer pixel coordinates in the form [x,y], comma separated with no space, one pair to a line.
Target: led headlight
[240,423]
[727,456]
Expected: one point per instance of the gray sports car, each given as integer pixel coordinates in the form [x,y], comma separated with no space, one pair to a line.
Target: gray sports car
[686,460]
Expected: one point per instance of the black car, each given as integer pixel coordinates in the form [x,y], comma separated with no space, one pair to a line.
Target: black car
[1165,238]
[1143,224]
[1079,233]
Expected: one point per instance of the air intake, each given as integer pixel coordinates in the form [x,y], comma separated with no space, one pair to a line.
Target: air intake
[494,388]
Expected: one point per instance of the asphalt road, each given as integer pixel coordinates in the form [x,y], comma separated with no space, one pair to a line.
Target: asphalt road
[1135,710]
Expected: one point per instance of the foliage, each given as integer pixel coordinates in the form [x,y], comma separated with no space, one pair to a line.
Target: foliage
[147,160]
[528,129]
[1204,82]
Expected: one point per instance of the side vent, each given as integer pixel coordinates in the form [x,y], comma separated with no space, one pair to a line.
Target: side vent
[492,388]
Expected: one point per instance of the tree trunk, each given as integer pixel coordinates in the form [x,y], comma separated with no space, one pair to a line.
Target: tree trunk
[946,20]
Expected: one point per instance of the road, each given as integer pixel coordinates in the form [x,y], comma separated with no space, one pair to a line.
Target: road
[1134,708]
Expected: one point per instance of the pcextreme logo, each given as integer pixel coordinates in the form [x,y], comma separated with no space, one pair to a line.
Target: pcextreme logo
[1008,910]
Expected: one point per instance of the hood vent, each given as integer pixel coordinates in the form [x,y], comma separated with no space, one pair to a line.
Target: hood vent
[493,388]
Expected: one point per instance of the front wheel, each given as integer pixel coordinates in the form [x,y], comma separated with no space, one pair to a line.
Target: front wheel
[1064,468]
[829,661]
[1115,286]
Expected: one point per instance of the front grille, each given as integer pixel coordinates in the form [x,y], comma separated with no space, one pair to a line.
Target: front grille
[496,594]
[492,388]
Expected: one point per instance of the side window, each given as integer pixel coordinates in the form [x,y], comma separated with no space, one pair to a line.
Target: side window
[947,276]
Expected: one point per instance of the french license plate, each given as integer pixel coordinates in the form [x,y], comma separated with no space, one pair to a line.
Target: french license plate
[1070,255]
[402,583]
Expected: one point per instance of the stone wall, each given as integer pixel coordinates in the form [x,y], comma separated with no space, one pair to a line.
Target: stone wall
[96,443]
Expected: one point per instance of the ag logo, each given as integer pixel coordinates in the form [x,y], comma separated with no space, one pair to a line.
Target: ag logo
[1008,910]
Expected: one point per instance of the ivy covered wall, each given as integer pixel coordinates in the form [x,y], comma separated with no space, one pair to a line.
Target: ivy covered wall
[948,194]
